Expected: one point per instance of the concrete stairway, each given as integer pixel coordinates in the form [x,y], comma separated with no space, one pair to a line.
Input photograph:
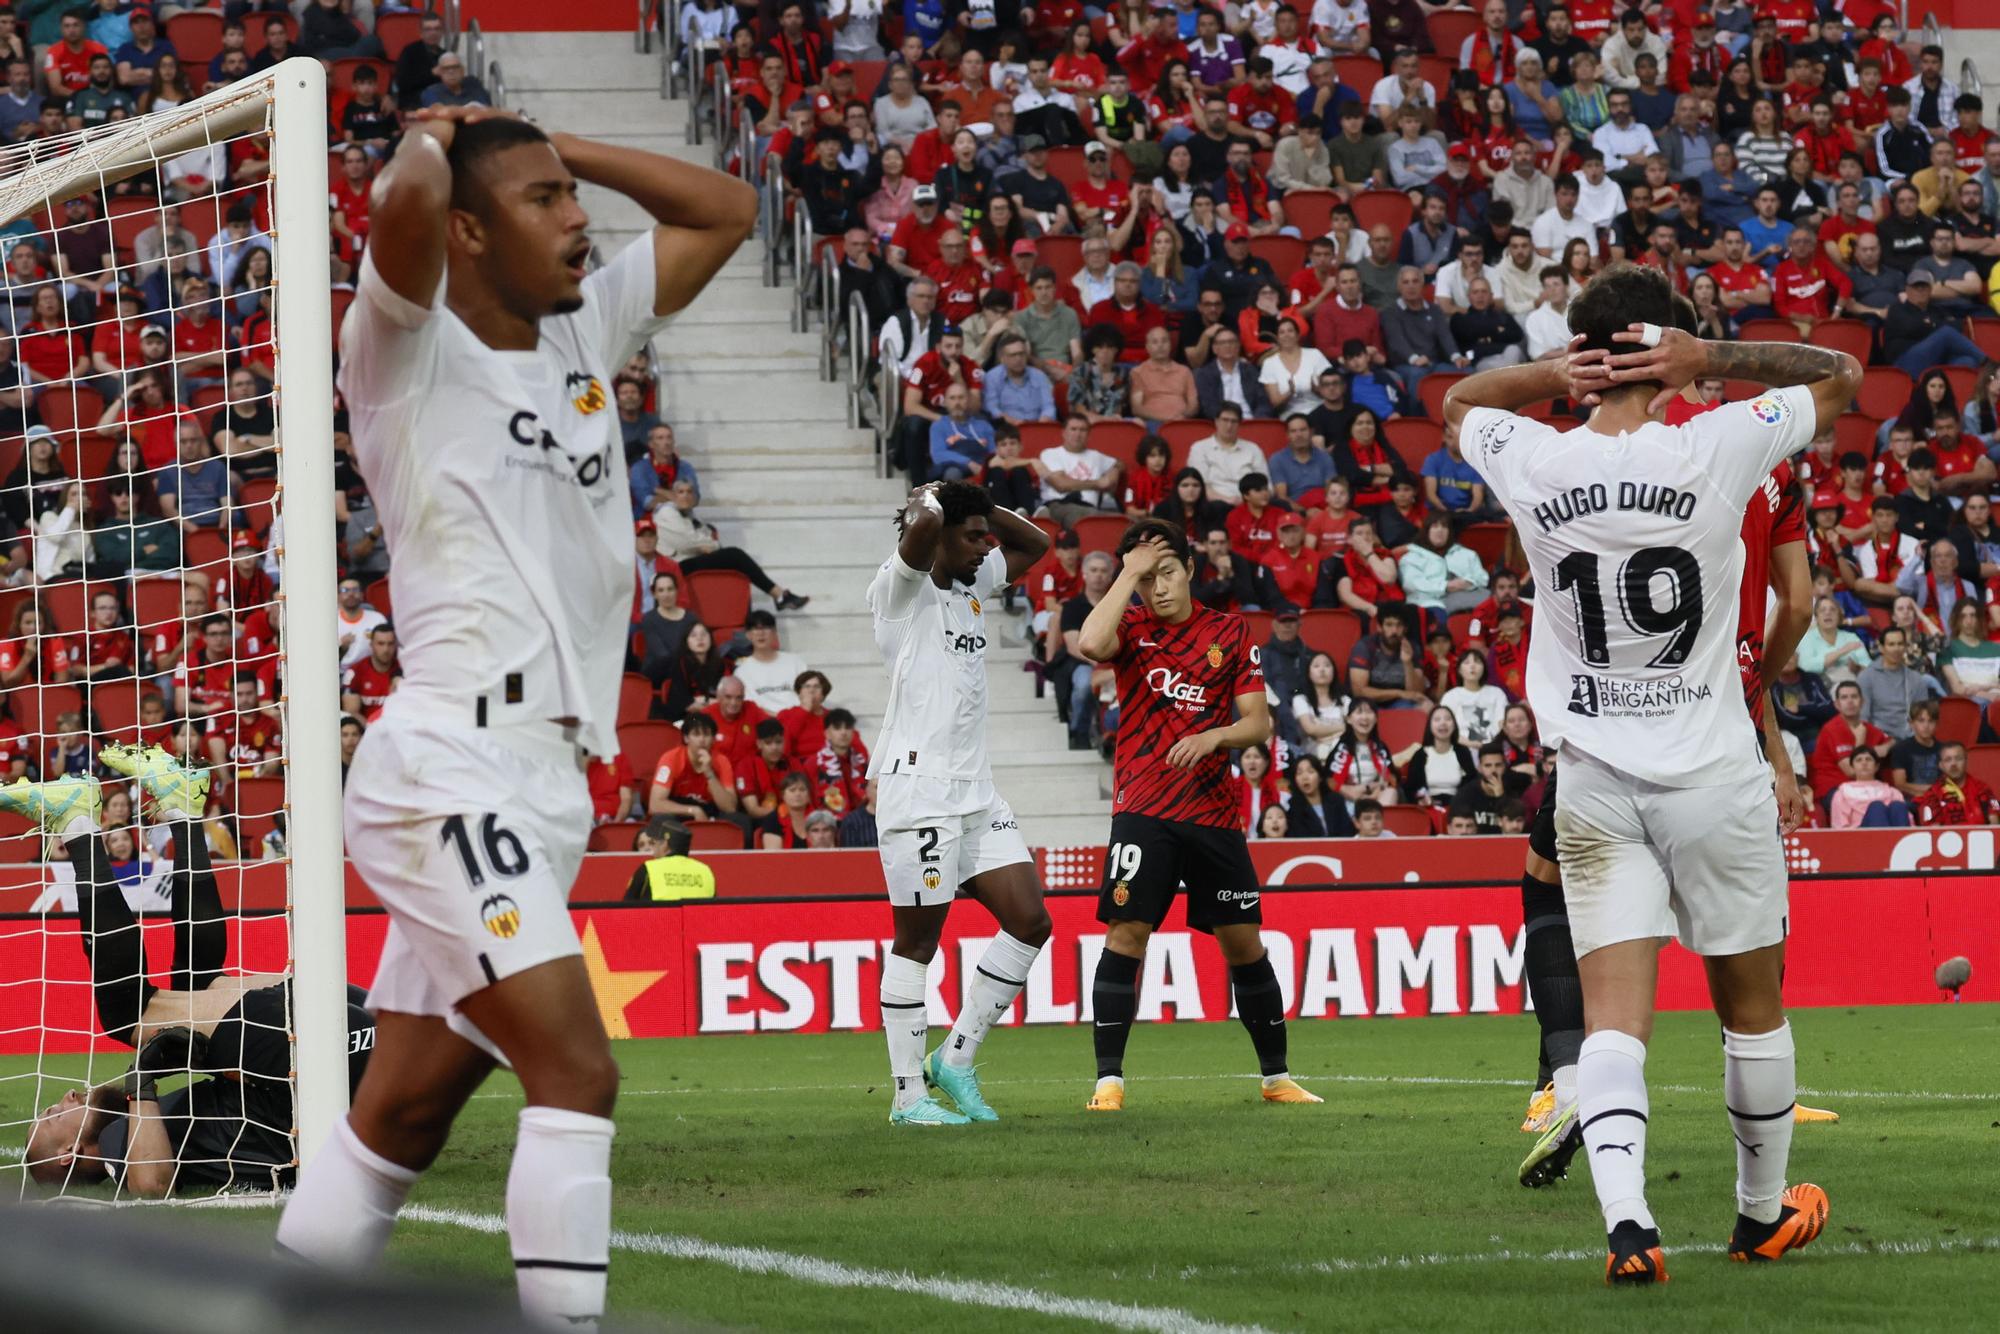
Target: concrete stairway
[782,475]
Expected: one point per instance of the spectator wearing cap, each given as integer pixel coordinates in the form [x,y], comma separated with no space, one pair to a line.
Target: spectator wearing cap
[915,244]
[960,443]
[1017,392]
[1038,194]
[769,673]
[1916,335]
[1238,274]
[960,282]
[1417,333]
[835,93]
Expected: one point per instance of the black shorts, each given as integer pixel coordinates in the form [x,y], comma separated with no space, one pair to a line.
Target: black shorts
[1150,859]
[1542,837]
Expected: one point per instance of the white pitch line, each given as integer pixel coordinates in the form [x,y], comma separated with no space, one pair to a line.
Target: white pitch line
[1446,1081]
[834,1274]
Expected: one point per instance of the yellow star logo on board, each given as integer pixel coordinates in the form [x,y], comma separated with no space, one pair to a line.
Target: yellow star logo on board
[614,989]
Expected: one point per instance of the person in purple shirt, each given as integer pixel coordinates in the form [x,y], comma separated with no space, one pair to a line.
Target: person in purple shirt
[1215,59]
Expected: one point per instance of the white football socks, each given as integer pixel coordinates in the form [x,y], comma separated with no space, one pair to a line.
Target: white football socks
[998,979]
[1759,1087]
[344,1206]
[1611,1108]
[559,1215]
[1565,1082]
[906,1024]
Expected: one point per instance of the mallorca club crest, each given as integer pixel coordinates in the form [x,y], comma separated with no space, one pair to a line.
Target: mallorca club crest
[1215,657]
[1121,893]
[585,391]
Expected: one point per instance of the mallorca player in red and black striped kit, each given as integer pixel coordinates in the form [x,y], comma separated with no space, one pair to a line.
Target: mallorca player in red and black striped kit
[1190,690]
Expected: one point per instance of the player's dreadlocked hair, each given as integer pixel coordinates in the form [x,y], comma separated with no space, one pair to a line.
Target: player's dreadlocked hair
[1622,295]
[959,501]
[1164,530]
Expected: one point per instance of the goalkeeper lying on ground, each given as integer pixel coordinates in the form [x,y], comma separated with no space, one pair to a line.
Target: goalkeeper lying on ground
[230,1123]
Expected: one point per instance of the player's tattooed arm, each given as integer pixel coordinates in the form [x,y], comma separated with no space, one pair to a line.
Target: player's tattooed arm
[1680,358]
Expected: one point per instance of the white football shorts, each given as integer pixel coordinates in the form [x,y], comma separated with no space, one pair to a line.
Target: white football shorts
[471,838]
[1702,864]
[935,834]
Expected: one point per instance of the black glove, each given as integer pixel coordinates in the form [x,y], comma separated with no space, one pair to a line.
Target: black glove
[172,1051]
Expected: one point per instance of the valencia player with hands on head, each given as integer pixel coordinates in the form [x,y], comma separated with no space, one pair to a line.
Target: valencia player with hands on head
[1190,690]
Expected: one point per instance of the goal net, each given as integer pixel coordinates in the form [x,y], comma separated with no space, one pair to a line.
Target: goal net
[167,577]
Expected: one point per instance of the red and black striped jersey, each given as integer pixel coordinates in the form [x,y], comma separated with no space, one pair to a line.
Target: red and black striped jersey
[1173,682]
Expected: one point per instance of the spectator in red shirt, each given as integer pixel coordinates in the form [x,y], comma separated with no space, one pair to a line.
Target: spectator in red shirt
[931,149]
[347,197]
[66,65]
[1824,140]
[913,246]
[785,827]
[1970,137]
[736,721]
[841,765]
[691,780]
[960,282]
[1128,313]
[758,776]
[366,685]
[1509,651]
[1099,197]
[1807,286]
[1258,108]
[1837,740]
[204,683]
[1867,104]
[1147,57]
[47,344]
[1957,798]
[805,722]
[1253,525]
[1293,565]
[245,741]
[111,646]
[1055,579]
[197,338]
[611,789]
[1347,315]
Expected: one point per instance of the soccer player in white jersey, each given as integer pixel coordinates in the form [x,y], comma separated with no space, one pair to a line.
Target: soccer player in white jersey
[1665,817]
[944,827]
[476,363]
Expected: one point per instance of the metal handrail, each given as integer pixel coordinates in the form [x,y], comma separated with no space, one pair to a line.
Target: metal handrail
[803,269]
[640,42]
[747,165]
[1969,81]
[831,319]
[725,115]
[888,407]
[449,13]
[670,47]
[496,84]
[697,82]
[475,51]
[857,356]
[773,193]
[1932,33]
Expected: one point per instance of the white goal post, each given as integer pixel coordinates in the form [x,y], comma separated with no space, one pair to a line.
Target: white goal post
[286,106]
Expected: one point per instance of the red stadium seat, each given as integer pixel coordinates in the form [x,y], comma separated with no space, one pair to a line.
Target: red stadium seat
[1993,717]
[67,604]
[1437,71]
[1432,389]
[1768,331]
[1287,254]
[1361,73]
[1100,532]
[1853,431]
[714,836]
[1401,728]
[1963,380]
[1333,631]
[1258,623]
[1884,391]
[1064,254]
[253,25]
[1038,436]
[1487,541]
[1066,165]
[377,596]
[618,836]
[635,698]
[206,547]
[114,710]
[643,744]
[719,597]
[68,407]
[1853,337]
[1958,720]
[37,710]
[1986,334]
[1413,439]
[1266,433]
[258,801]
[158,600]
[396,31]
[1182,435]
[1983,763]
[1390,208]
[1407,821]
[1450,28]
[197,37]
[1460,625]
[1311,211]
[342,80]
[129,215]
[1119,439]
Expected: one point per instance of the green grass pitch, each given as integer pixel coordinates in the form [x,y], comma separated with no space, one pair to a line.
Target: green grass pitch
[1393,1206]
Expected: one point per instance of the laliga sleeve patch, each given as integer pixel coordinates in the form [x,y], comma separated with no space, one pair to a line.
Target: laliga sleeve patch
[1770,410]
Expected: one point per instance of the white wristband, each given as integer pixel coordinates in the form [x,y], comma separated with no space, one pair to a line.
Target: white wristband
[1650,335]
[931,503]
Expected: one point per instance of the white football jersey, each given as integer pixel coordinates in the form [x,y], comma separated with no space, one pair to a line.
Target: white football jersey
[501,484]
[1635,545]
[934,642]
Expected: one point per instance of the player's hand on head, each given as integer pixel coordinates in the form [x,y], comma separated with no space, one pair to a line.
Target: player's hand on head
[1587,373]
[1146,556]
[1676,361]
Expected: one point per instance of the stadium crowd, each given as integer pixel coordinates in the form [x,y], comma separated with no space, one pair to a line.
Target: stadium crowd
[1219,262]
